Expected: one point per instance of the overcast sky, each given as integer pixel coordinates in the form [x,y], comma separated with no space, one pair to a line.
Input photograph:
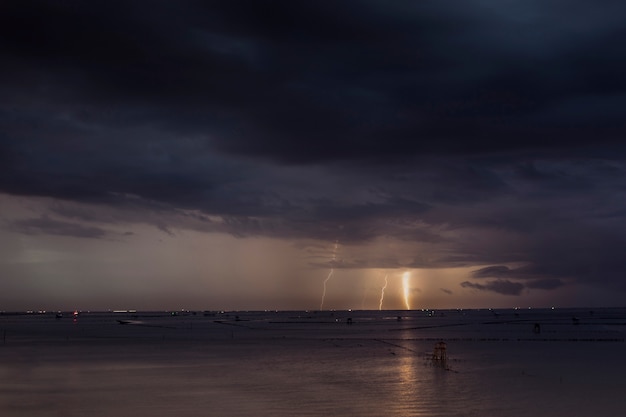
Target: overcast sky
[300,154]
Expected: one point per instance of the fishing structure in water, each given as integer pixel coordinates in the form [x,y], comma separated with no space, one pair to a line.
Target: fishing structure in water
[440,355]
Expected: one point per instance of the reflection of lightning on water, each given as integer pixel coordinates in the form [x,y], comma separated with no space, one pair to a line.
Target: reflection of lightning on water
[405,288]
[382,295]
[330,274]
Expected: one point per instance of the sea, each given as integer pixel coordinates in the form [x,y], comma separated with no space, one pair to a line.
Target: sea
[517,362]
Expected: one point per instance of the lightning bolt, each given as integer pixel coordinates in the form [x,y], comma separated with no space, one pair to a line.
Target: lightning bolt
[382,294]
[405,288]
[330,274]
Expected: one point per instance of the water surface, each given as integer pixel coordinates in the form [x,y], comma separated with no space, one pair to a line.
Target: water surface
[314,364]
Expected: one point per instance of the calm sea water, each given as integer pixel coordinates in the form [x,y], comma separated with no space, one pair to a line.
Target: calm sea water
[314,364]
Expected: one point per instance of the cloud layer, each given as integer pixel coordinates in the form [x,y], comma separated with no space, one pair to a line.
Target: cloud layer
[482,134]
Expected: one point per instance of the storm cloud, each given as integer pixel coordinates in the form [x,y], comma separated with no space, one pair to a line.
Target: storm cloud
[482,135]
[500,286]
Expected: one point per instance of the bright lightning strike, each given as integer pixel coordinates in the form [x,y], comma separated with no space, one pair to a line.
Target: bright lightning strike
[382,294]
[330,274]
[405,288]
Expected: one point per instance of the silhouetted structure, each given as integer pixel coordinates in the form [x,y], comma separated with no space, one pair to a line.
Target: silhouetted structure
[440,355]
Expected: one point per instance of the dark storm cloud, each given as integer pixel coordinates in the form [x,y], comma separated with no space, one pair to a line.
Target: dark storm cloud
[493,132]
[46,225]
[500,286]
[492,271]
[545,284]
[529,273]
[312,82]
[508,287]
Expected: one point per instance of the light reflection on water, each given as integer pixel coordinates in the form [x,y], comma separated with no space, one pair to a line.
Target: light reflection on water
[310,381]
[262,369]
